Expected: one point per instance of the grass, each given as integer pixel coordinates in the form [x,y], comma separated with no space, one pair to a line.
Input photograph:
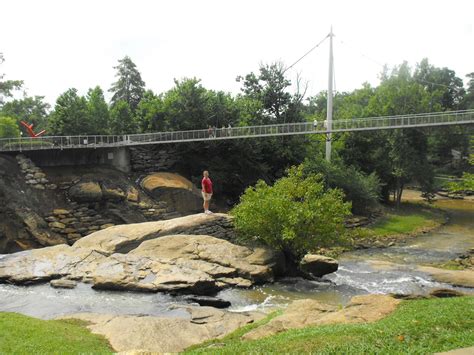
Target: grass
[20,334]
[449,265]
[411,218]
[416,327]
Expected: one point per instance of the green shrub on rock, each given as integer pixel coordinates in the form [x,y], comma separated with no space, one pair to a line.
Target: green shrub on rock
[297,214]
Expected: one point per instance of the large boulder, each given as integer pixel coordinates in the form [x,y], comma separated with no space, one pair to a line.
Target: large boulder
[186,263]
[165,334]
[86,192]
[145,260]
[174,189]
[318,265]
[307,312]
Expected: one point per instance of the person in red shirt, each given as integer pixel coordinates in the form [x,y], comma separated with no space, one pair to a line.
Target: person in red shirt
[206,190]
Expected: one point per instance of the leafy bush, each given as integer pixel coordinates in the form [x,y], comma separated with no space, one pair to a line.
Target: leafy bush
[361,189]
[465,185]
[295,215]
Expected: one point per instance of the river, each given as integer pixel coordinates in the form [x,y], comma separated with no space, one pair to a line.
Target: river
[357,274]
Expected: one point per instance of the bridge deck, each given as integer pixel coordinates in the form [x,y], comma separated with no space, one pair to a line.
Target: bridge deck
[357,124]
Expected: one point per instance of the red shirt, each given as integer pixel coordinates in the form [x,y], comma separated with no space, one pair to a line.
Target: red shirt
[206,184]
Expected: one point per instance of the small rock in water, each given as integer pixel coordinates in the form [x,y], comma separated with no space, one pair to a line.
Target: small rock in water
[318,265]
[208,301]
[63,283]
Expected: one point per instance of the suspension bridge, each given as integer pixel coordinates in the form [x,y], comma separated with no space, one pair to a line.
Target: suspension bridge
[327,127]
[287,129]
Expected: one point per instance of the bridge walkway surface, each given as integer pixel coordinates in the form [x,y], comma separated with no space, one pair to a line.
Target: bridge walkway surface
[285,129]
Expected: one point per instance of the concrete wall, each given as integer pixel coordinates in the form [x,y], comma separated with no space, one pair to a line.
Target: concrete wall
[119,158]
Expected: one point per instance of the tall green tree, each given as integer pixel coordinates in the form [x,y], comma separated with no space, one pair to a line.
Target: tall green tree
[121,119]
[8,127]
[7,87]
[270,87]
[185,105]
[397,156]
[446,89]
[31,109]
[98,111]
[70,115]
[129,86]
[150,115]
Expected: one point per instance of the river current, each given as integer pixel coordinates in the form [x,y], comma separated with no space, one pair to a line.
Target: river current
[358,274]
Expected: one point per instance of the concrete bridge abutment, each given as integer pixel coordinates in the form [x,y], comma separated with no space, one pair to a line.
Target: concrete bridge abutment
[118,157]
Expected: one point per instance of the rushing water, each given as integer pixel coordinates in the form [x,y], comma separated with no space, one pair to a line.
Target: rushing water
[358,274]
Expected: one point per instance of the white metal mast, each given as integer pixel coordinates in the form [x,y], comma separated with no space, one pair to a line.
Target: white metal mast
[329,99]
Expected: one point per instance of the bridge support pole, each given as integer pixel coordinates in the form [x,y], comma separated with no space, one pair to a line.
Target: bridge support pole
[329,100]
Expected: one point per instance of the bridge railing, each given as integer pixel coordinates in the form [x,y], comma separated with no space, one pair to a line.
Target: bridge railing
[61,142]
[357,124]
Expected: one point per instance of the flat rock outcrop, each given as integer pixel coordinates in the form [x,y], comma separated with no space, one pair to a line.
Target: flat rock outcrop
[307,312]
[165,334]
[463,278]
[123,238]
[141,257]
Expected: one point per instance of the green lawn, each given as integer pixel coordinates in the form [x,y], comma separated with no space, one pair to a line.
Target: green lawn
[20,334]
[416,327]
[409,219]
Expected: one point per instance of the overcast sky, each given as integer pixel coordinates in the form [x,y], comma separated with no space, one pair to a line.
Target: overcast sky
[56,45]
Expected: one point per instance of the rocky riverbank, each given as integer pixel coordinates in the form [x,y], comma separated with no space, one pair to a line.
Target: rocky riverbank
[134,334]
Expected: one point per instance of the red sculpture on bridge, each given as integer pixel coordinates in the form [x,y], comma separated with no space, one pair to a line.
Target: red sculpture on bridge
[29,129]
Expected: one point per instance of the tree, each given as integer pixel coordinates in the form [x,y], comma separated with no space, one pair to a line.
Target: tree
[468,102]
[270,88]
[31,109]
[445,88]
[121,119]
[98,111]
[397,156]
[7,86]
[70,115]
[150,115]
[185,105]
[295,215]
[129,86]
[9,128]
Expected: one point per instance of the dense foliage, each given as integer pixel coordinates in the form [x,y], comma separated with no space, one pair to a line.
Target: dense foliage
[363,190]
[8,128]
[295,215]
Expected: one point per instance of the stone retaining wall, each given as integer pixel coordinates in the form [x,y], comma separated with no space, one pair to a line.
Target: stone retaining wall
[152,158]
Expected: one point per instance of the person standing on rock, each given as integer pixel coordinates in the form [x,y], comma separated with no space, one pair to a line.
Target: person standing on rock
[206,190]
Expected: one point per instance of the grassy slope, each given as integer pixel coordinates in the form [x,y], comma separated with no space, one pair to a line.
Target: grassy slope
[409,219]
[20,334]
[420,327]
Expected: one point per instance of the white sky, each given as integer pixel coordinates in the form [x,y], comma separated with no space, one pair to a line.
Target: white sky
[56,45]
